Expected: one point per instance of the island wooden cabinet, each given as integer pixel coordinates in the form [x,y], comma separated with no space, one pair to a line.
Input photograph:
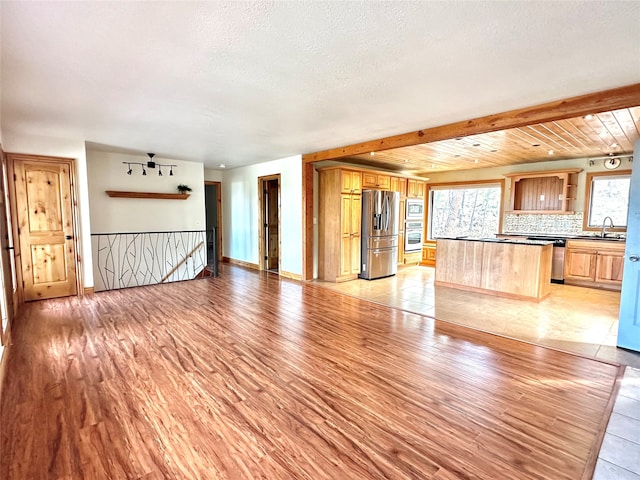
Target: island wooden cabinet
[511,268]
[594,263]
[376,180]
[415,188]
[340,206]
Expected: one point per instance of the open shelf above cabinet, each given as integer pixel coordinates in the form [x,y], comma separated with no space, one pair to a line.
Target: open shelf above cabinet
[160,196]
[546,192]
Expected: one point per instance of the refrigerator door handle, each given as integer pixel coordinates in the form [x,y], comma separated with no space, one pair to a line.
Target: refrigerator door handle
[387,213]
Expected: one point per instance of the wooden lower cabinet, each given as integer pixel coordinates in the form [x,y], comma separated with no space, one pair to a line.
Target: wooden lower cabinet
[429,254]
[412,258]
[594,263]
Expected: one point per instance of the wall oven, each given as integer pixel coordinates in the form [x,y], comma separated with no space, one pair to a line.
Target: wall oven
[413,236]
[415,209]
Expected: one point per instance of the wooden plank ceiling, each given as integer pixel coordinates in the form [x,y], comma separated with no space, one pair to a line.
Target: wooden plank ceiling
[607,133]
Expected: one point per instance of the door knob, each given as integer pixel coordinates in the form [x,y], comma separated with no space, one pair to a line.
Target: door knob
[634,258]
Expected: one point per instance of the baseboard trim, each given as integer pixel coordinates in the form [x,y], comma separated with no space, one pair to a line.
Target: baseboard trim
[88,291]
[292,276]
[241,263]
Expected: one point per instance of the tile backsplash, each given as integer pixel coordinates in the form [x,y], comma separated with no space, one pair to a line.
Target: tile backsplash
[552,224]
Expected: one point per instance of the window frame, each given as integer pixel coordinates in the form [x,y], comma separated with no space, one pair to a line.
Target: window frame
[587,199]
[466,184]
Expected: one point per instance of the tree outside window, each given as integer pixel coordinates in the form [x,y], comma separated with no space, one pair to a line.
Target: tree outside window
[608,197]
[470,211]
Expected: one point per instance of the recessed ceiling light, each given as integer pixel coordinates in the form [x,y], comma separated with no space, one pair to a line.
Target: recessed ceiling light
[433,166]
[372,154]
[614,145]
[475,161]
[550,152]
[406,160]
[588,117]
[602,134]
[222,165]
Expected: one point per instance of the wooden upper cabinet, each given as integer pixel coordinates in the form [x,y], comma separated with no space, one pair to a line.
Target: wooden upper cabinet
[399,185]
[415,188]
[376,180]
[351,181]
[552,191]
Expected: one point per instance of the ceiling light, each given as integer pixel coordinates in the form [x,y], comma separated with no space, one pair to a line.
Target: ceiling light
[550,152]
[372,154]
[588,117]
[150,164]
[614,145]
[433,166]
[535,144]
[476,144]
[222,165]
[475,161]
[602,134]
[494,151]
[406,160]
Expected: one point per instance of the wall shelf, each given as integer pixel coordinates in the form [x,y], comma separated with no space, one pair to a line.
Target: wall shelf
[161,196]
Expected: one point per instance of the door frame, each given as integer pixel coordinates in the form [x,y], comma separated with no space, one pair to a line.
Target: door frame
[8,268]
[219,202]
[75,219]
[261,219]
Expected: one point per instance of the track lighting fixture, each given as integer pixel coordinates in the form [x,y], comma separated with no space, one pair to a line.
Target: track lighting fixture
[150,164]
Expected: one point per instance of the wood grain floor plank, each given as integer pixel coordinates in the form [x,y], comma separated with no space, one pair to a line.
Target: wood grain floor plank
[249,376]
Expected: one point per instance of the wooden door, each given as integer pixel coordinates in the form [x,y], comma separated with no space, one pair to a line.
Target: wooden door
[579,264]
[7,300]
[45,228]
[273,240]
[609,267]
[629,320]
[356,226]
[345,234]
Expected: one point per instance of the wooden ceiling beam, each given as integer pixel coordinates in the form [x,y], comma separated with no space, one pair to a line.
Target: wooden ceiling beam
[622,97]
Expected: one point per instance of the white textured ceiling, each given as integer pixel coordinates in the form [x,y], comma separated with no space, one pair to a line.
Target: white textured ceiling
[245,82]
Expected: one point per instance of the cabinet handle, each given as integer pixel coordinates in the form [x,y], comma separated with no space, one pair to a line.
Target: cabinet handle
[634,258]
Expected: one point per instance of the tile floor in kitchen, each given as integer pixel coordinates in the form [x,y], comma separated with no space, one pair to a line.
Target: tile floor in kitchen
[573,319]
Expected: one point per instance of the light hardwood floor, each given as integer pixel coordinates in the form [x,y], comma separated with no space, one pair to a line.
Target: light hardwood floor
[574,319]
[248,376]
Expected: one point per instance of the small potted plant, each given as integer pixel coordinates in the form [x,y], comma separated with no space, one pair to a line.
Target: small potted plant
[184,188]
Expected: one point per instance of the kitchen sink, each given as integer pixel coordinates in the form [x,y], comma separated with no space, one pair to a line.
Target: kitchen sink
[598,237]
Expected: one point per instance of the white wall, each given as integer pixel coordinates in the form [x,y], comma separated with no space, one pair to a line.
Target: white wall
[114,215]
[60,147]
[213,175]
[240,211]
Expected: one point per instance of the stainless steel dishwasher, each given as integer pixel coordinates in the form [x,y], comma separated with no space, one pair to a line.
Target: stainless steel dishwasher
[557,264]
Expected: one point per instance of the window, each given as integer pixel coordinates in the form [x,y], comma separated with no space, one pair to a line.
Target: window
[470,210]
[607,196]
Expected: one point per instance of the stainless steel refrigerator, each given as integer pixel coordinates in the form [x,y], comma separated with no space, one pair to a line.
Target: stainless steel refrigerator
[379,234]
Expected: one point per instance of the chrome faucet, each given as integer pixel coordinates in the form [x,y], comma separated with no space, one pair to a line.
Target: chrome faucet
[604,228]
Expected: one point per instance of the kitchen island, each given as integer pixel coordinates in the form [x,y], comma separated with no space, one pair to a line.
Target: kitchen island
[505,267]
